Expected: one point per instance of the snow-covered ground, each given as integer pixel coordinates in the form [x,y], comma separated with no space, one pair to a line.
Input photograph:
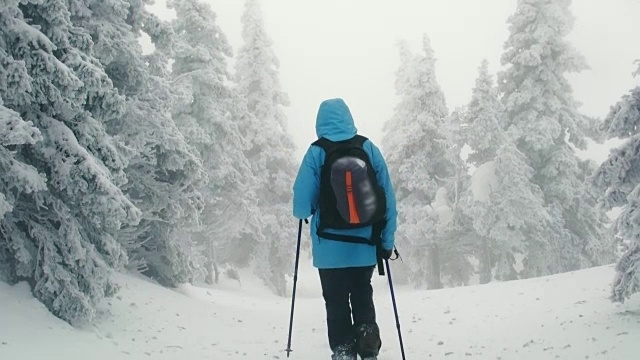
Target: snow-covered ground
[560,317]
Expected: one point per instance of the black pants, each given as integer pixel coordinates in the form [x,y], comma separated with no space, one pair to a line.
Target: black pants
[347,292]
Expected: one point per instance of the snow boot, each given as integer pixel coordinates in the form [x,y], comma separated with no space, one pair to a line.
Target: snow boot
[368,341]
[344,352]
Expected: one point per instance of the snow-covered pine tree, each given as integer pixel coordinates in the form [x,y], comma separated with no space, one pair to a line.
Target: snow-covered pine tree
[17,176]
[417,156]
[164,172]
[484,119]
[271,151]
[209,119]
[508,213]
[541,111]
[60,170]
[457,246]
[501,187]
[618,180]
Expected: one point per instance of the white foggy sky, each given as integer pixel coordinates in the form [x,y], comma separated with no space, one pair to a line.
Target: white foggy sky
[347,48]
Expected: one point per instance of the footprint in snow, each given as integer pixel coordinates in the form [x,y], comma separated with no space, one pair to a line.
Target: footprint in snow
[529,343]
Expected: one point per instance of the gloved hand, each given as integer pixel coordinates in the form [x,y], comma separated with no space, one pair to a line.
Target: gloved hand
[386,254]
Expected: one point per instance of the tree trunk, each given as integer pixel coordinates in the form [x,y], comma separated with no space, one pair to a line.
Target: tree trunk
[217,272]
[210,273]
[434,278]
[505,270]
[211,267]
[486,263]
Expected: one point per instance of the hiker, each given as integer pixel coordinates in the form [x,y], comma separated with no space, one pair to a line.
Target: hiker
[344,184]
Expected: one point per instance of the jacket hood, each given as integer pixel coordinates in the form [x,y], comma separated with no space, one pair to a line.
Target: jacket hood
[334,121]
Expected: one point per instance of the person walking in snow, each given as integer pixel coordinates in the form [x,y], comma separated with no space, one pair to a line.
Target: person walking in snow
[344,184]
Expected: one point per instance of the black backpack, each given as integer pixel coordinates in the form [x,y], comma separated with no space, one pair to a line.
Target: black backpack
[350,196]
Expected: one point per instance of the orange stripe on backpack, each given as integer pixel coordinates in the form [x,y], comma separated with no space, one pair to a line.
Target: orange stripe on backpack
[354,218]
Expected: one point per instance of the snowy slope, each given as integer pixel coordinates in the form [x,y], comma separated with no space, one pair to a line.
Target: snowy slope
[560,317]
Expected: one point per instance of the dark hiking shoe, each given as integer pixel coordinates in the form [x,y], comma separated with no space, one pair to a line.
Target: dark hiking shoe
[344,352]
[368,341]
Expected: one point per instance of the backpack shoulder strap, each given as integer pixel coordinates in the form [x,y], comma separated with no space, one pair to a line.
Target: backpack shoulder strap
[359,140]
[327,145]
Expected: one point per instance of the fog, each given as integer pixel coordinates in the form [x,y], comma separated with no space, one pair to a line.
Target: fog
[336,48]
[132,208]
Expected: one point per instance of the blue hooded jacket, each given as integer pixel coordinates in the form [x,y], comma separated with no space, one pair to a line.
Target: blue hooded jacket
[335,123]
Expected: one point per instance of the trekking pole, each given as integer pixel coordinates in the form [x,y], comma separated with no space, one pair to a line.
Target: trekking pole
[395,308]
[295,282]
